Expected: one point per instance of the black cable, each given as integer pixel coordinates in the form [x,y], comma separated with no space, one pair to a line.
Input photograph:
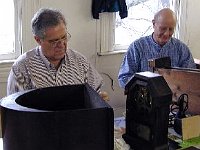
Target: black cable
[178,109]
[112,81]
[183,106]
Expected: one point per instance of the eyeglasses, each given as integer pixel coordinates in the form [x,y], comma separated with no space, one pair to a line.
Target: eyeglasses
[65,38]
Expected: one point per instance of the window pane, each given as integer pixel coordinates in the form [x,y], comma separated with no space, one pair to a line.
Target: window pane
[138,23]
[7,27]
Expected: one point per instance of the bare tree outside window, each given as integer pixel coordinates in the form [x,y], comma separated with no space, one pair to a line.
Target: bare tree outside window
[139,20]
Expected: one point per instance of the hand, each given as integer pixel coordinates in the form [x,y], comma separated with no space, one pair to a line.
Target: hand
[104,95]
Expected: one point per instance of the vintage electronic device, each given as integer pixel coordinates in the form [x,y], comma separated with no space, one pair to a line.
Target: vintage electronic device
[70,117]
[163,62]
[147,112]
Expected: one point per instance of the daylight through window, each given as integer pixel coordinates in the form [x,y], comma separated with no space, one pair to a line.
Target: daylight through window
[10,29]
[7,27]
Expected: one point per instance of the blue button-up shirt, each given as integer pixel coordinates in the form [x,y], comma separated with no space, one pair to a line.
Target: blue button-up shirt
[142,50]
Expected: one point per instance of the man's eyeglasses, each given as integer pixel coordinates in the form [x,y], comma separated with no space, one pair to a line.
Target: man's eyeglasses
[65,38]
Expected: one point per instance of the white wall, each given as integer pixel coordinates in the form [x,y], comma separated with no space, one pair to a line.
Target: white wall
[190,25]
[83,29]
[4,71]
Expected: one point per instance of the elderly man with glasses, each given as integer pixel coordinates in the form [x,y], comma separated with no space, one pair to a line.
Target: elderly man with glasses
[51,63]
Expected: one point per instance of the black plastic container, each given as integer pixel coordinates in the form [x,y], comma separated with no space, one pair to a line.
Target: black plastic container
[72,117]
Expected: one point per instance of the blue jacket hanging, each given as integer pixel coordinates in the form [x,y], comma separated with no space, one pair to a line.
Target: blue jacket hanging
[99,6]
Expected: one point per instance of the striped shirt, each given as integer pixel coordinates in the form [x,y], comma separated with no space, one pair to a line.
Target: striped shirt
[32,70]
[145,48]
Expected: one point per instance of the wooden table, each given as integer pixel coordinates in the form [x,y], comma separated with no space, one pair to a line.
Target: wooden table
[185,81]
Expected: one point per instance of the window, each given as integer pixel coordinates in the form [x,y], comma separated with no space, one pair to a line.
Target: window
[10,29]
[117,33]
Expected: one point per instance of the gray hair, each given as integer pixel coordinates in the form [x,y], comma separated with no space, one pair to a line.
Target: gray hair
[44,18]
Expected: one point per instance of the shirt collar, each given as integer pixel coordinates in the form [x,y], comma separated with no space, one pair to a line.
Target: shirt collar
[46,61]
[156,44]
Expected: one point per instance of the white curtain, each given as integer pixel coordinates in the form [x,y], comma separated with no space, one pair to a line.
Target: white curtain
[176,7]
[18,26]
[29,7]
[183,17]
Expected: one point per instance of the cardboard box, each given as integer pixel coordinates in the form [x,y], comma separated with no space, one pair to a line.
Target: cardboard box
[190,127]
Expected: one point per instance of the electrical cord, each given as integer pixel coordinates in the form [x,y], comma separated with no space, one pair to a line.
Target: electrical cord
[178,109]
[112,81]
